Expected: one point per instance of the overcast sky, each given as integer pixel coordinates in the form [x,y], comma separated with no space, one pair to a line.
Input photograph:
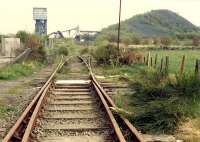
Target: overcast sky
[89,14]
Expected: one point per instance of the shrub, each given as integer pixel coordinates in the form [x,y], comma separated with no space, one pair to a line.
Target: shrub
[156,41]
[106,54]
[23,35]
[38,52]
[130,57]
[136,40]
[109,54]
[110,36]
[84,51]
[146,41]
[161,102]
[196,42]
[62,50]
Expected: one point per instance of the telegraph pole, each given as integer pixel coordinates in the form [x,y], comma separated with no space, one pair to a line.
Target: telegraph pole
[119,26]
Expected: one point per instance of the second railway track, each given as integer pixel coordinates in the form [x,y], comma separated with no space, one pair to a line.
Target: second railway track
[72,111]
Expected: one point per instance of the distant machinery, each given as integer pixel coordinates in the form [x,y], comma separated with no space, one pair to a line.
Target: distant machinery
[75,33]
[40,17]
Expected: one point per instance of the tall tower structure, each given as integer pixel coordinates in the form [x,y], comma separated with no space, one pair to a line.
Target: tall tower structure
[40,17]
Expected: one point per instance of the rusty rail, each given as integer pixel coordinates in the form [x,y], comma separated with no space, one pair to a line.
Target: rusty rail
[111,117]
[19,132]
[137,136]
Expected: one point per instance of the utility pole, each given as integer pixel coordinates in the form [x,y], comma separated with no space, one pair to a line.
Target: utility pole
[119,26]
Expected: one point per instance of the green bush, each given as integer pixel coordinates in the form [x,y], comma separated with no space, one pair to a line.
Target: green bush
[23,35]
[34,43]
[84,51]
[106,54]
[62,50]
[161,102]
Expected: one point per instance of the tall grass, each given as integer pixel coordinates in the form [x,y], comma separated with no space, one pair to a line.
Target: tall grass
[161,102]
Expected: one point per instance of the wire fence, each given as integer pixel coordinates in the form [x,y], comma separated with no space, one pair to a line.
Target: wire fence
[162,64]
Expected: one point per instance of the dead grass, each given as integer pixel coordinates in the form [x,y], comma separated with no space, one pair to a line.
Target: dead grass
[189,131]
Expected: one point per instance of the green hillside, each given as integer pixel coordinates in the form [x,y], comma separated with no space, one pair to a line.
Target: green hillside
[157,23]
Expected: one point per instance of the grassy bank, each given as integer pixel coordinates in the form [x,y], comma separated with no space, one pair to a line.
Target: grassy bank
[160,104]
[19,70]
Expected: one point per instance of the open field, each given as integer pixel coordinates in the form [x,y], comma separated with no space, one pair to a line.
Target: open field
[175,58]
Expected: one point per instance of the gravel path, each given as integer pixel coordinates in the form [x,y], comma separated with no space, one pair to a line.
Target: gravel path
[15,95]
[73,111]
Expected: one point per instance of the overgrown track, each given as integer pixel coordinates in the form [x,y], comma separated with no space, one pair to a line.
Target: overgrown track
[129,132]
[72,111]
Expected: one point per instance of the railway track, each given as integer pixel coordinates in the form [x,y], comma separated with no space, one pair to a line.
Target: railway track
[72,111]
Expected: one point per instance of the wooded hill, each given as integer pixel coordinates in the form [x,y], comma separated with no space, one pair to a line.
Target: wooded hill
[157,23]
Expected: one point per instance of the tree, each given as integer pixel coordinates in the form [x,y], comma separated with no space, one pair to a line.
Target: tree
[156,41]
[136,40]
[147,41]
[23,35]
[126,40]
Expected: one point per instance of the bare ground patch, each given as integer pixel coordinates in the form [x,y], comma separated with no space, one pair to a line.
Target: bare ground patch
[15,95]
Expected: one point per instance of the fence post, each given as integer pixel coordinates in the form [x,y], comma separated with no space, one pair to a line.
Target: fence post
[161,65]
[155,63]
[167,64]
[149,58]
[182,65]
[144,60]
[197,68]
[151,61]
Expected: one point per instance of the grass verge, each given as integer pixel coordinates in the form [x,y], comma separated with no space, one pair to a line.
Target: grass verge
[162,104]
[19,70]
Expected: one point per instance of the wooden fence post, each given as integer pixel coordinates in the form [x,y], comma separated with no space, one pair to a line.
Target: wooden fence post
[149,58]
[167,64]
[161,65]
[156,58]
[182,66]
[197,68]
